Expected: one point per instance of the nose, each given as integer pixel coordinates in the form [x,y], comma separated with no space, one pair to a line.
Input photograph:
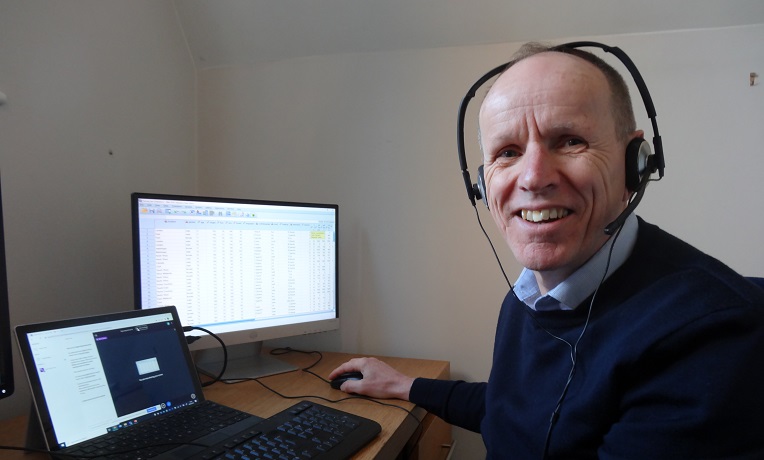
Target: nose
[537,169]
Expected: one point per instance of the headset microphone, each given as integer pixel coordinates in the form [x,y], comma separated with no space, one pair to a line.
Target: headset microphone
[639,166]
[613,227]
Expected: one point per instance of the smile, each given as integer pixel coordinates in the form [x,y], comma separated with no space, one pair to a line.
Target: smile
[542,215]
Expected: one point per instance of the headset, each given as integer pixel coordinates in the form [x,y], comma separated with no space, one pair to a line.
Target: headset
[641,162]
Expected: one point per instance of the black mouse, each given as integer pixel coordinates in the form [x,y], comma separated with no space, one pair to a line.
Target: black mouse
[342,378]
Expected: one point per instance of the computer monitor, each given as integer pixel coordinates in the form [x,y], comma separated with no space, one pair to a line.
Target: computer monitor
[246,270]
[6,356]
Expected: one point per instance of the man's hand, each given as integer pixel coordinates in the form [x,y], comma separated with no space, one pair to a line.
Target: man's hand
[379,379]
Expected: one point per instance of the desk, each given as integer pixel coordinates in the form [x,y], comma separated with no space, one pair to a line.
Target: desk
[400,432]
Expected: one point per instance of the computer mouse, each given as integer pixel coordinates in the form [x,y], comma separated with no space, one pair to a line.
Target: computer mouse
[342,378]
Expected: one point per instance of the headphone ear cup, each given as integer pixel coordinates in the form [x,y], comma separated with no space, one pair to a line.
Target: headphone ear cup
[481,186]
[637,153]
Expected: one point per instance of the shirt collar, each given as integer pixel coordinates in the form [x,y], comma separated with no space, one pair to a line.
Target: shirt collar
[583,282]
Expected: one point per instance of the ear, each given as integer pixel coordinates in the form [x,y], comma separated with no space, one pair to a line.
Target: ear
[626,196]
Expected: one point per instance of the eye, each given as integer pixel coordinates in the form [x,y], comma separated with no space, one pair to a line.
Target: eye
[573,144]
[508,153]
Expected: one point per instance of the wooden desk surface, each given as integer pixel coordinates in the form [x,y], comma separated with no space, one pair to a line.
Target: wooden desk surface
[397,425]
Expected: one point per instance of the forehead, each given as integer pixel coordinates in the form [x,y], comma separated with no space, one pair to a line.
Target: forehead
[548,78]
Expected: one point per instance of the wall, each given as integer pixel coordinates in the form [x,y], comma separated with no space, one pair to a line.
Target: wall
[101,103]
[375,133]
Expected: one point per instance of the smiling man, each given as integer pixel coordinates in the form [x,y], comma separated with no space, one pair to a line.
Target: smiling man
[635,345]
[551,148]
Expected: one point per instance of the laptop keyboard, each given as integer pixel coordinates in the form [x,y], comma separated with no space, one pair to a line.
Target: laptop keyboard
[303,431]
[150,439]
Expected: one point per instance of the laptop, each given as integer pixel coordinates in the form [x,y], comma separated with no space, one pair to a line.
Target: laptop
[98,379]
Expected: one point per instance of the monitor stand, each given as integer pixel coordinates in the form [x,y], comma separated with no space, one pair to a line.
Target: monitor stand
[245,361]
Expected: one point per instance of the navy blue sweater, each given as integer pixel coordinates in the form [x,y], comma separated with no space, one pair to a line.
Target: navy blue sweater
[671,366]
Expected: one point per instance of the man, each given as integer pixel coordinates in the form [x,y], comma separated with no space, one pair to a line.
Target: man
[627,346]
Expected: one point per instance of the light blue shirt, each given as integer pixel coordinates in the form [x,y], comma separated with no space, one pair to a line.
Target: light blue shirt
[584,281]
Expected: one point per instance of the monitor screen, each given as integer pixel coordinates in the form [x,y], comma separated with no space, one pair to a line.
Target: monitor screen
[6,356]
[246,270]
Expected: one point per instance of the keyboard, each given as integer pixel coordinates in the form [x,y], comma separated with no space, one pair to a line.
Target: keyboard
[304,431]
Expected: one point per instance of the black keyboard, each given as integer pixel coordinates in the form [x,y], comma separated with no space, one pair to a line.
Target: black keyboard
[304,431]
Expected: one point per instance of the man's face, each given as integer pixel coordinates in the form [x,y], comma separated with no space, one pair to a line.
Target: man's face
[554,167]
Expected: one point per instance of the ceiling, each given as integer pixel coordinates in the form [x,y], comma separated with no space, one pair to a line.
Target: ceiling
[241,32]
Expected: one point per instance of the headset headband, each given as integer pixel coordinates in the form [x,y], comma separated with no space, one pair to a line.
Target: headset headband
[658,163]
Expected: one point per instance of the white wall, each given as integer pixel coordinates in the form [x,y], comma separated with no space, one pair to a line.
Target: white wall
[710,120]
[84,78]
[376,134]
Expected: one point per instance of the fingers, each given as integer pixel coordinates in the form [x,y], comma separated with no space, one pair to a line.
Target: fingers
[353,387]
[379,379]
[355,364]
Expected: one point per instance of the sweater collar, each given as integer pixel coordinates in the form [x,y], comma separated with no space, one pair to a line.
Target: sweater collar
[583,282]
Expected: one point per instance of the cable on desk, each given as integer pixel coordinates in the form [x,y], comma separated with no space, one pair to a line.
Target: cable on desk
[287,350]
[192,339]
[419,428]
[333,401]
[275,352]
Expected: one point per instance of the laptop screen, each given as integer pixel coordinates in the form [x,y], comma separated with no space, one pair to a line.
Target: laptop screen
[91,376]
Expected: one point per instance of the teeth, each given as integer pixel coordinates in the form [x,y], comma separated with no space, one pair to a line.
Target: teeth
[544,214]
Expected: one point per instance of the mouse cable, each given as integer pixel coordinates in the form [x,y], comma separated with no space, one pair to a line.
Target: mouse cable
[322,398]
[287,350]
[193,339]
